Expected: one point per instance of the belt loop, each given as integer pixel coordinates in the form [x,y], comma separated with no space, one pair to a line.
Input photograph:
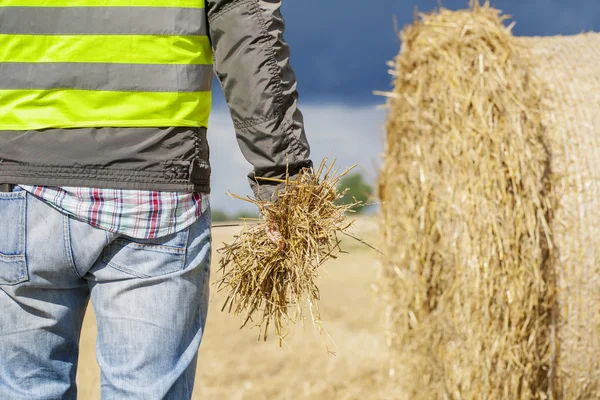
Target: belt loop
[6,187]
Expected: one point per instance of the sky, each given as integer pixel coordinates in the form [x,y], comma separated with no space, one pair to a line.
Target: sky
[339,50]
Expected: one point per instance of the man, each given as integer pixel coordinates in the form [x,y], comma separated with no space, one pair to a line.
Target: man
[105,175]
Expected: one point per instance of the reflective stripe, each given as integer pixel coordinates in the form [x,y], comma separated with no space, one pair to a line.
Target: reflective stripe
[126,49]
[39,109]
[105,3]
[101,76]
[103,21]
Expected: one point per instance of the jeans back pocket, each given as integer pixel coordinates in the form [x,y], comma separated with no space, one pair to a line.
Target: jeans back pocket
[147,258]
[13,263]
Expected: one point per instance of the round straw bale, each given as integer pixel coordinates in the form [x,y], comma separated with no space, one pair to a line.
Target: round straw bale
[490,211]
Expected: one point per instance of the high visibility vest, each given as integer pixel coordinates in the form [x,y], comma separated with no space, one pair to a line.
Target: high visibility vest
[104,63]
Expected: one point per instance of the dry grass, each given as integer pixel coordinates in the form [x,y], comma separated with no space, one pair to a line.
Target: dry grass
[271,281]
[468,276]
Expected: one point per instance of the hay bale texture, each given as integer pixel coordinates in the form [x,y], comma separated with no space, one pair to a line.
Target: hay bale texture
[490,212]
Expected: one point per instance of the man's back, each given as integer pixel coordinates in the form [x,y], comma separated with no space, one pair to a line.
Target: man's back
[103,121]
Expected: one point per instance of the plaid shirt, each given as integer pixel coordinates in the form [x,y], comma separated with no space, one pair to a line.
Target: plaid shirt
[137,213]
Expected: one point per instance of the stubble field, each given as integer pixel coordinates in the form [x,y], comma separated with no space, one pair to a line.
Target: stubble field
[233,364]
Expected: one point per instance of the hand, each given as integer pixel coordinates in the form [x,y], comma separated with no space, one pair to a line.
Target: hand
[274,235]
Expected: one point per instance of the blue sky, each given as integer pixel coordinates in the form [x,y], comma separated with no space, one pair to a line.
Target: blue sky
[339,50]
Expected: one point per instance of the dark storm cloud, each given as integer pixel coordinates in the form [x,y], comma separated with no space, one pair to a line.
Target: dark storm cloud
[340,47]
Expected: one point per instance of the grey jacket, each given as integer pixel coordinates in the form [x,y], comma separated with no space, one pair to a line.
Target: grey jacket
[251,61]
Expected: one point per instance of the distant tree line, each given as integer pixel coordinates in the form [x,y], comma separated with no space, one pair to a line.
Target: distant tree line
[357,186]
[358,190]
[220,215]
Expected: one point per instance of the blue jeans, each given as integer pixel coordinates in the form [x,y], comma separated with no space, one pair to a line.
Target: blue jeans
[150,298]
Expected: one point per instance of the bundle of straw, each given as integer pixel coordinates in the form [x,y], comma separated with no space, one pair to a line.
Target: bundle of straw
[272,281]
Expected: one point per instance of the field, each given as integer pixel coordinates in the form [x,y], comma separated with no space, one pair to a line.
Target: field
[232,364]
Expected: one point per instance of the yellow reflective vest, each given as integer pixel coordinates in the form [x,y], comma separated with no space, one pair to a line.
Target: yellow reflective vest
[114,63]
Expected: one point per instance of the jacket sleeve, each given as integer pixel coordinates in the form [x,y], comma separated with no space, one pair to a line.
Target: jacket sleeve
[252,63]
